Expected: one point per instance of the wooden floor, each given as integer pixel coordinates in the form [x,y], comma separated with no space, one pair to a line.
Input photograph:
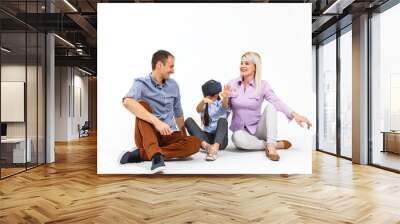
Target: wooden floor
[387,159]
[70,191]
[5,172]
[8,171]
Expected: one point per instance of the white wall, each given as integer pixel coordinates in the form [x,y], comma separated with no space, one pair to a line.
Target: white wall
[207,41]
[60,113]
[70,83]
[79,117]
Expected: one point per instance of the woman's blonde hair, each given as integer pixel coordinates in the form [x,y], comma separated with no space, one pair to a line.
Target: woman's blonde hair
[256,60]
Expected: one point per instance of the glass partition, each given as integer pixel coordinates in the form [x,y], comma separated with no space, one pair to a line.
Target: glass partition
[327,96]
[22,63]
[13,104]
[346,94]
[385,89]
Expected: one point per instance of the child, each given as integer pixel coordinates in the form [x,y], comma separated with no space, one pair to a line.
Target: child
[213,111]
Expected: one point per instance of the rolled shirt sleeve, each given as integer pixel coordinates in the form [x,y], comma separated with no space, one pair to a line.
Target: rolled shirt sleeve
[135,92]
[178,112]
[279,105]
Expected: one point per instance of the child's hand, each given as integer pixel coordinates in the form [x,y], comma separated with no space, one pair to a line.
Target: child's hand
[207,100]
[226,92]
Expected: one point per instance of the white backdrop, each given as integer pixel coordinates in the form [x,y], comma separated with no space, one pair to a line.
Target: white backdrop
[207,41]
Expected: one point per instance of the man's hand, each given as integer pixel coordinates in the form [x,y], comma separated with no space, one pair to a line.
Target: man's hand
[142,113]
[163,128]
[301,119]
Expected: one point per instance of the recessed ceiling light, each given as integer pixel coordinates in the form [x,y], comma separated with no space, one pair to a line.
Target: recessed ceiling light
[84,71]
[5,50]
[70,5]
[64,40]
[338,6]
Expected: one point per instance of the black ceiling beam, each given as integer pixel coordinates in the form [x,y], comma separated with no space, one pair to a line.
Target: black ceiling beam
[8,24]
[90,70]
[49,22]
[8,17]
[383,6]
[331,30]
[322,24]
[82,61]
[91,5]
[84,24]
[64,51]
[194,1]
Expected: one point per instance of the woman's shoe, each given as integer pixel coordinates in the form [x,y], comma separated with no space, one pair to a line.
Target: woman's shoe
[283,144]
[273,157]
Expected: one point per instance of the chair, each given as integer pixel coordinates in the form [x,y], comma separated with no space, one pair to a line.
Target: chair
[84,130]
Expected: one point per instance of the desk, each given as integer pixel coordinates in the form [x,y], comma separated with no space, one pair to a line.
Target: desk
[391,141]
[13,150]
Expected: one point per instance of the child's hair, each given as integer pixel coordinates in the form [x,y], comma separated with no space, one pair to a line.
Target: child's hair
[206,115]
[210,88]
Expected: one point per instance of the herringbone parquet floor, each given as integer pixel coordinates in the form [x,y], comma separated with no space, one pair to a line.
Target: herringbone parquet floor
[70,191]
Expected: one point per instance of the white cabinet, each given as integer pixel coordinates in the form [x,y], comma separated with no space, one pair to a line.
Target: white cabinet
[17,146]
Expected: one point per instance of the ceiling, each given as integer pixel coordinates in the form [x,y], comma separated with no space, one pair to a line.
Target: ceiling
[76,22]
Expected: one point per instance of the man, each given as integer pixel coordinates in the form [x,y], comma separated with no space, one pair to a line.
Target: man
[159,131]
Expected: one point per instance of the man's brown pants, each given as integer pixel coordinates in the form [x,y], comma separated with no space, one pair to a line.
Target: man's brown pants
[149,141]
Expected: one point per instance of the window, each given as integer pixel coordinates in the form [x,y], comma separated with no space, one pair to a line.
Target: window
[385,89]
[346,93]
[327,96]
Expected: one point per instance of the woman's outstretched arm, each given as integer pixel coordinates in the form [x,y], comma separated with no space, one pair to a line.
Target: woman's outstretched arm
[270,96]
[301,119]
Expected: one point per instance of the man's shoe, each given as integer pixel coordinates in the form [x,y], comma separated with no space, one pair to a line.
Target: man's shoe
[131,157]
[157,163]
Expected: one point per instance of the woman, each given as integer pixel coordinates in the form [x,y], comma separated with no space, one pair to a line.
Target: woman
[251,129]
